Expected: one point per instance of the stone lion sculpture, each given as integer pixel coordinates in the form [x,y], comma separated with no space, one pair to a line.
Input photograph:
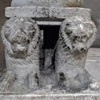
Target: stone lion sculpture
[21,39]
[75,38]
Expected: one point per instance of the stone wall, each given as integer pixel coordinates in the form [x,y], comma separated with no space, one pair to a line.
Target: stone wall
[95,6]
[3,4]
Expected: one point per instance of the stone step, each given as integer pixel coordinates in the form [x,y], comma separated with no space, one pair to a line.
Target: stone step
[51,97]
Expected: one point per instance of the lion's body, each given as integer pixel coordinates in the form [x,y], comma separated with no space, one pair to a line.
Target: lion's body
[21,39]
[72,47]
[72,68]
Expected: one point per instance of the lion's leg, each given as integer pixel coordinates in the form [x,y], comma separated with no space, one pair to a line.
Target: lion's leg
[74,81]
[62,78]
[33,80]
[88,80]
[68,83]
[95,85]
[34,75]
[7,82]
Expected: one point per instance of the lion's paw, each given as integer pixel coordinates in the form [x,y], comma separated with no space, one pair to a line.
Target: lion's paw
[7,81]
[95,86]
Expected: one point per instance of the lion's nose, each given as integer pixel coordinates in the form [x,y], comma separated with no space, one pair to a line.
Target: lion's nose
[82,49]
[20,49]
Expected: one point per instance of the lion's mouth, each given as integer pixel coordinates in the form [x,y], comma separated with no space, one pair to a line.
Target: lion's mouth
[20,54]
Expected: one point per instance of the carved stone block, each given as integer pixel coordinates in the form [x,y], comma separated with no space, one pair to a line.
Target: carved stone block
[47,12]
[32,68]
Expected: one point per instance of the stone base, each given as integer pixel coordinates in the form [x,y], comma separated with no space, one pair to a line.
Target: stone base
[51,97]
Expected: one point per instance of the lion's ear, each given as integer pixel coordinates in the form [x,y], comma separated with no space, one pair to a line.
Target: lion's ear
[92,35]
[35,39]
[91,40]
[6,43]
[65,36]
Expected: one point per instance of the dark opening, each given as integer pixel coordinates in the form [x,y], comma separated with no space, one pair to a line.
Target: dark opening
[49,40]
[51,34]
[62,76]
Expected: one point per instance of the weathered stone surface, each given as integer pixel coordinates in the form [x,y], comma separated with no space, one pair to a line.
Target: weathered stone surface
[21,39]
[93,63]
[75,38]
[54,3]
[51,97]
[47,12]
[21,73]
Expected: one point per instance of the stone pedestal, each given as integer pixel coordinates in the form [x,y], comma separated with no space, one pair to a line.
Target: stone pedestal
[23,33]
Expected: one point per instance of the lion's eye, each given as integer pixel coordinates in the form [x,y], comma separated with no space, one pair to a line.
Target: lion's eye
[28,41]
[68,32]
[75,38]
[7,30]
[12,42]
[67,24]
[84,36]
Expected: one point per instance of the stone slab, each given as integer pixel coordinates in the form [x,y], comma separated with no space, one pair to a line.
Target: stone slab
[93,63]
[51,97]
[93,52]
[54,3]
[55,23]
[47,12]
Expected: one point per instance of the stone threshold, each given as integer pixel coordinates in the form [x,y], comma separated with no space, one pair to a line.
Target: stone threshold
[51,97]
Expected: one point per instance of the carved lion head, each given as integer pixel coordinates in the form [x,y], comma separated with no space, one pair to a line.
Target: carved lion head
[78,33]
[19,36]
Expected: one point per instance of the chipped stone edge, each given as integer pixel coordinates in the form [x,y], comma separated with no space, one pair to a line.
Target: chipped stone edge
[51,97]
[47,12]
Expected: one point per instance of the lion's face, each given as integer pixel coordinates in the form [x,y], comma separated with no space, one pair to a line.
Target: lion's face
[79,32]
[20,44]
[19,34]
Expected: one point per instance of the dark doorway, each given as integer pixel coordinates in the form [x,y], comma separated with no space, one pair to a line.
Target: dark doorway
[51,34]
[50,37]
